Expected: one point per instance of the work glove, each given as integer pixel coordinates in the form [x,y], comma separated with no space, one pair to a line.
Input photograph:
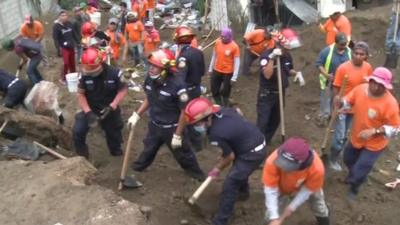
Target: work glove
[91,118]
[276,52]
[132,121]
[299,77]
[176,141]
[214,173]
[105,112]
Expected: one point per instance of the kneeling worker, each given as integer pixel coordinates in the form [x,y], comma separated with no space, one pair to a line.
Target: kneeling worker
[13,88]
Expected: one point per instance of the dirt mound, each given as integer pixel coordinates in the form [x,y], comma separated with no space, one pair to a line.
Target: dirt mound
[60,192]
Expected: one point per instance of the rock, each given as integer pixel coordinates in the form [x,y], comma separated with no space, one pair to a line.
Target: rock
[361,218]
[184,222]
[307,117]
[146,210]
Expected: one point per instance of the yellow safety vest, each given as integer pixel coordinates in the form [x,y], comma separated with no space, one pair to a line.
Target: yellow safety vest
[322,78]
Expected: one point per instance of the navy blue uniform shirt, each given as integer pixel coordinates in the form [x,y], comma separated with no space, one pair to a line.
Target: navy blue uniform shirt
[166,100]
[286,66]
[233,133]
[101,90]
[5,79]
[191,66]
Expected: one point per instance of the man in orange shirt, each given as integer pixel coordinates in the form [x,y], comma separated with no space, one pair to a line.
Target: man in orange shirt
[376,116]
[32,29]
[256,42]
[117,40]
[134,34]
[294,169]
[336,23]
[151,5]
[224,66]
[151,38]
[140,7]
[357,69]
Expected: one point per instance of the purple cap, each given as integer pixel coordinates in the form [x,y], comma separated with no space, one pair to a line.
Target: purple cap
[226,35]
[292,154]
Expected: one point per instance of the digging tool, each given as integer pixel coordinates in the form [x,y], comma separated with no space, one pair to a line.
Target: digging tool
[393,185]
[208,45]
[127,181]
[52,152]
[333,118]
[392,57]
[199,191]
[280,88]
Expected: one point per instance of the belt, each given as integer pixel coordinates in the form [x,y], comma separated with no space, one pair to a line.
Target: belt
[259,147]
[164,125]
[13,82]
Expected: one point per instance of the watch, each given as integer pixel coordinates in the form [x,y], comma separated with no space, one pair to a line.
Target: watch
[377,131]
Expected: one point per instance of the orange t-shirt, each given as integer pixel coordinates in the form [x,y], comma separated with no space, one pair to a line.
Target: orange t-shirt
[151,41]
[370,112]
[151,4]
[356,75]
[257,41]
[225,56]
[134,31]
[291,182]
[140,8]
[332,28]
[34,32]
[114,45]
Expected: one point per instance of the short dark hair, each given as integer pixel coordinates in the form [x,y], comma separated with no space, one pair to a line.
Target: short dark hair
[123,4]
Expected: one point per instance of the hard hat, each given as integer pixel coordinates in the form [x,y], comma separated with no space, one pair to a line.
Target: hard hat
[163,58]
[93,57]
[198,109]
[88,29]
[132,15]
[287,38]
[183,35]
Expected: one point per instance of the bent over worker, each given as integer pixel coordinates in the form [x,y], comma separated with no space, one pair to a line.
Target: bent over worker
[13,88]
[100,91]
[166,98]
[294,169]
[242,144]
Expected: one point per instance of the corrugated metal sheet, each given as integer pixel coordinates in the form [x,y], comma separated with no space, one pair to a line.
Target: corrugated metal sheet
[302,9]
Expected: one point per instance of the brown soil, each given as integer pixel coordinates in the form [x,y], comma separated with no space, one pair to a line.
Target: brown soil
[166,188]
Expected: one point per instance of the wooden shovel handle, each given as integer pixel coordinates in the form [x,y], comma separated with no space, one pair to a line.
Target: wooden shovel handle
[126,160]
[200,190]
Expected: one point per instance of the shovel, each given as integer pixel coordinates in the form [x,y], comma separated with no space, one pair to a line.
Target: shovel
[392,57]
[127,181]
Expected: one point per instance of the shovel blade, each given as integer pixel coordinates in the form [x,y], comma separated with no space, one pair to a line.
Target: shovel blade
[131,182]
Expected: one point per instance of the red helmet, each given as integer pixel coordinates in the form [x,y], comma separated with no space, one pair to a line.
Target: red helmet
[163,58]
[88,29]
[198,109]
[93,57]
[287,38]
[183,35]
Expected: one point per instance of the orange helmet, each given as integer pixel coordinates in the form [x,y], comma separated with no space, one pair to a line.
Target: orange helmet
[183,35]
[163,58]
[198,109]
[88,29]
[93,57]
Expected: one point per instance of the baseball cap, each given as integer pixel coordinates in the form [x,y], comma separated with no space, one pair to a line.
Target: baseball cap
[82,5]
[113,20]
[149,24]
[382,76]
[292,154]
[28,19]
[362,45]
[341,38]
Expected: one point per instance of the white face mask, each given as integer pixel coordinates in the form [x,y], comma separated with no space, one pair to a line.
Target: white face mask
[154,77]
[200,128]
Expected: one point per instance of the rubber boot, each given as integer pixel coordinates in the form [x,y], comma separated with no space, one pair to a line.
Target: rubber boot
[323,220]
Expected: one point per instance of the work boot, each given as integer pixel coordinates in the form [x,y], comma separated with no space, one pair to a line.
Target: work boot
[323,220]
[334,165]
[196,175]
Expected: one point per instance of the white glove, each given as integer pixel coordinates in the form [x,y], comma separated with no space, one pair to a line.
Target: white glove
[132,121]
[299,77]
[276,52]
[176,141]
[390,131]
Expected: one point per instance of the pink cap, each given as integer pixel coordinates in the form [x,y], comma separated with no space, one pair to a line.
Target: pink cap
[382,76]
[28,19]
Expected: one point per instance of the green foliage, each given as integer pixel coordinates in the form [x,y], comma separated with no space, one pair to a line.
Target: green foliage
[200,6]
[69,4]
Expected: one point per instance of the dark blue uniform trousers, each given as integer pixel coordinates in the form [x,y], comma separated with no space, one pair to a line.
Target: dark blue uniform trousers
[268,116]
[112,126]
[155,138]
[195,137]
[359,163]
[15,94]
[236,181]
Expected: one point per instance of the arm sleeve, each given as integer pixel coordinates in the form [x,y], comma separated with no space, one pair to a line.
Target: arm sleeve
[182,68]
[339,76]
[236,68]
[55,36]
[272,202]
[302,196]
[226,148]
[212,62]
[321,58]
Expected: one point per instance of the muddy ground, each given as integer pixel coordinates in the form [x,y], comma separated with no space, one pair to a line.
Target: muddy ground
[166,188]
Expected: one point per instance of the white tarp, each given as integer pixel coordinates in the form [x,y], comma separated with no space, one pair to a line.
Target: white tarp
[328,7]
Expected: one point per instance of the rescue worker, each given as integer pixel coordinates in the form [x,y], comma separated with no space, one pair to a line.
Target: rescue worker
[242,144]
[337,23]
[166,98]
[329,59]
[134,30]
[224,66]
[91,36]
[64,36]
[122,16]
[151,40]
[117,40]
[268,113]
[100,91]
[256,43]
[376,118]
[140,7]
[26,49]
[32,29]
[357,69]
[191,68]
[13,89]
[294,169]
